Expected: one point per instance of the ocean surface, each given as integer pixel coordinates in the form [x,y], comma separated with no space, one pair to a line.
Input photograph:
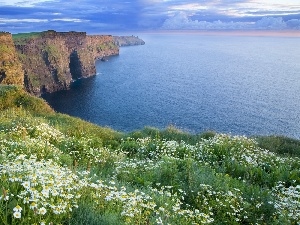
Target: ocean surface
[243,85]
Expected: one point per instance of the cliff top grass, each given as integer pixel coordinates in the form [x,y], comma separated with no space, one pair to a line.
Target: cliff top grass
[57,169]
[21,38]
[26,35]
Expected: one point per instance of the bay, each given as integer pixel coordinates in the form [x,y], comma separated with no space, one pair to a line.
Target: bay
[244,85]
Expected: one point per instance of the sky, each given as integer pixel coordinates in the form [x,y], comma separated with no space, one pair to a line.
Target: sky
[96,16]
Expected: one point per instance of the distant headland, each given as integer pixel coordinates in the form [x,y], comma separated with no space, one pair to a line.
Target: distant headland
[49,61]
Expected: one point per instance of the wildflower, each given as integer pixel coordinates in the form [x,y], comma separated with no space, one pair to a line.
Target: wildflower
[17,214]
[159,220]
[42,211]
[26,184]
[26,200]
[56,210]
[33,205]
[112,182]
[17,208]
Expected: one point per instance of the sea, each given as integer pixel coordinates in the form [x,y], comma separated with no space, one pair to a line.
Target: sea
[235,84]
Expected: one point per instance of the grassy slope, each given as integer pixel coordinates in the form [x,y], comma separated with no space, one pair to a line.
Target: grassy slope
[149,176]
[14,97]
[14,101]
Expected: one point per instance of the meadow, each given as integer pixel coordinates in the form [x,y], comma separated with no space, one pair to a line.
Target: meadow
[57,169]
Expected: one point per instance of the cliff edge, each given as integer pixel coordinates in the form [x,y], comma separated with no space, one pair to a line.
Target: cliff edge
[49,61]
[11,71]
[128,40]
[52,60]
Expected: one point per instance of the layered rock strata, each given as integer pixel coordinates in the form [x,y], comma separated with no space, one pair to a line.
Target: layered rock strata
[52,60]
[49,61]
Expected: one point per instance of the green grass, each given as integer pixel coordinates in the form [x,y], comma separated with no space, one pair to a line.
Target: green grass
[21,38]
[106,46]
[280,144]
[26,35]
[171,133]
[14,97]
[63,170]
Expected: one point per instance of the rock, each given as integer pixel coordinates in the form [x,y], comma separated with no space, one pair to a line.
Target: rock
[128,40]
[10,66]
[49,61]
[52,60]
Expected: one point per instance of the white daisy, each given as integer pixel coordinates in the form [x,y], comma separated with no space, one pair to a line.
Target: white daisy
[17,214]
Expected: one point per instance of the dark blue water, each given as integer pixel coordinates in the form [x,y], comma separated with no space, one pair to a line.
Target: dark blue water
[232,84]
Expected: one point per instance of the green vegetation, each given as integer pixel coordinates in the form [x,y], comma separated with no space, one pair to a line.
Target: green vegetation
[10,68]
[57,169]
[22,57]
[14,98]
[281,145]
[106,46]
[5,49]
[52,50]
[21,38]
[34,80]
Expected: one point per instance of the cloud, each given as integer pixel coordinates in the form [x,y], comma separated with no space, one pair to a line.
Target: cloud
[93,16]
[20,3]
[293,24]
[277,23]
[70,20]
[271,23]
[182,21]
[5,21]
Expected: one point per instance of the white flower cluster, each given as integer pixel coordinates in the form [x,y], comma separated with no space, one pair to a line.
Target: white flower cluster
[287,201]
[31,139]
[241,149]
[46,132]
[35,189]
[39,188]
[171,207]
[137,206]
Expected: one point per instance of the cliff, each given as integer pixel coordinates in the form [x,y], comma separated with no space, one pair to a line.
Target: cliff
[128,40]
[10,67]
[51,60]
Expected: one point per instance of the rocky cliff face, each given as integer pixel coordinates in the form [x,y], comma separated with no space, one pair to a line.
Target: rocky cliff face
[10,67]
[128,40]
[51,60]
